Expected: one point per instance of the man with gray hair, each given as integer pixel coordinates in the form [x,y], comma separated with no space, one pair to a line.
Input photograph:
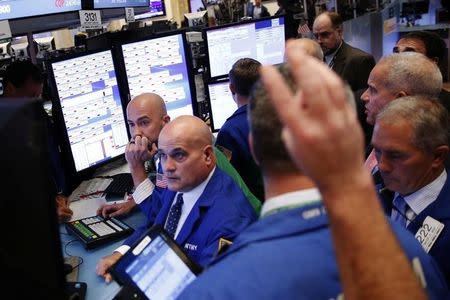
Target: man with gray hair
[410,140]
[398,75]
[395,76]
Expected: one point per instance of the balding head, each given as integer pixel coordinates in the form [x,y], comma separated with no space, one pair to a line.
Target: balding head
[327,29]
[311,47]
[186,152]
[146,116]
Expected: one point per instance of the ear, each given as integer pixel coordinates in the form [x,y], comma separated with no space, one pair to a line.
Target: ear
[435,60]
[232,88]
[250,144]
[166,119]
[401,94]
[440,155]
[208,152]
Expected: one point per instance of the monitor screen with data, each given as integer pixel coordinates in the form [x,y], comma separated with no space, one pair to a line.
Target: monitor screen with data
[159,65]
[89,106]
[262,40]
[119,3]
[221,103]
[157,9]
[12,9]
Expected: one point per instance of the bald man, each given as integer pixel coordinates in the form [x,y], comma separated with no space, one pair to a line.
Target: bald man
[146,116]
[202,204]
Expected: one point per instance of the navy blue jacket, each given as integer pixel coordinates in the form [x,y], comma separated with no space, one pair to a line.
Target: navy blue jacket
[288,256]
[222,211]
[234,137]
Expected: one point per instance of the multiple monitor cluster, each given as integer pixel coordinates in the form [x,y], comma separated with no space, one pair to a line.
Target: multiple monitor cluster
[90,106]
[92,89]
[261,39]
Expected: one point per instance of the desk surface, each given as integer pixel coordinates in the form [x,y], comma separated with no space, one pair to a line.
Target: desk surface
[97,289]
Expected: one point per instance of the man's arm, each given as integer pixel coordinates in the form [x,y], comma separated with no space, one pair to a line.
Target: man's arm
[325,140]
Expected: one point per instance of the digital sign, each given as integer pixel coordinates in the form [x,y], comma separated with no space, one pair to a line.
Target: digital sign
[13,9]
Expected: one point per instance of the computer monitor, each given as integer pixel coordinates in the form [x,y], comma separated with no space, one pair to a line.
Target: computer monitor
[157,9]
[415,7]
[12,9]
[88,110]
[30,251]
[98,4]
[221,103]
[45,43]
[159,65]
[196,19]
[260,39]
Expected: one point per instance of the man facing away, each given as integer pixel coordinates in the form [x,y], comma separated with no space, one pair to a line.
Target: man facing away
[233,135]
[201,205]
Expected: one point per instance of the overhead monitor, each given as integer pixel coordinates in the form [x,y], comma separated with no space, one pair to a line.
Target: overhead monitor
[260,39]
[196,19]
[221,103]
[156,9]
[159,65]
[40,270]
[13,9]
[89,109]
[415,7]
[119,3]
[196,5]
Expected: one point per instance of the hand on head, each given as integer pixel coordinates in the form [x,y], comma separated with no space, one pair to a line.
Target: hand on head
[139,150]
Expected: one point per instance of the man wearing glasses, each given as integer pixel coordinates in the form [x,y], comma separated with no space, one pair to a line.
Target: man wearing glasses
[351,64]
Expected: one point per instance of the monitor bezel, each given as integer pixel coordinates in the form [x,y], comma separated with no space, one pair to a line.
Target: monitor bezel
[208,98]
[125,84]
[75,177]
[244,22]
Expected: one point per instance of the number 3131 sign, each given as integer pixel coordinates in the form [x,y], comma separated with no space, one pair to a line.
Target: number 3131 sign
[90,19]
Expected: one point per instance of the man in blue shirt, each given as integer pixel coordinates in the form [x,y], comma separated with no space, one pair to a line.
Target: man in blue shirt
[410,141]
[289,253]
[233,136]
[201,204]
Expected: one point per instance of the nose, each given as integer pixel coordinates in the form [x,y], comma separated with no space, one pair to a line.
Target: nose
[365,96]
[168,165]
[136,131]
[383,164]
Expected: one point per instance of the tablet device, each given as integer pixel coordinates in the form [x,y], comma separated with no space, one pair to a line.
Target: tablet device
[154,268]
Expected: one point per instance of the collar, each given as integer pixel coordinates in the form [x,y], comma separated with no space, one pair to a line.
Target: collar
[330,57]
[290,200]
[195,193]
[422,198]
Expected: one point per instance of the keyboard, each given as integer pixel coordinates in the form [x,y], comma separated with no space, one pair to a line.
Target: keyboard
[122,183]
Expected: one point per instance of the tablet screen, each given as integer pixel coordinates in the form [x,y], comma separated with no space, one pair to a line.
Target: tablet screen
[157,267]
